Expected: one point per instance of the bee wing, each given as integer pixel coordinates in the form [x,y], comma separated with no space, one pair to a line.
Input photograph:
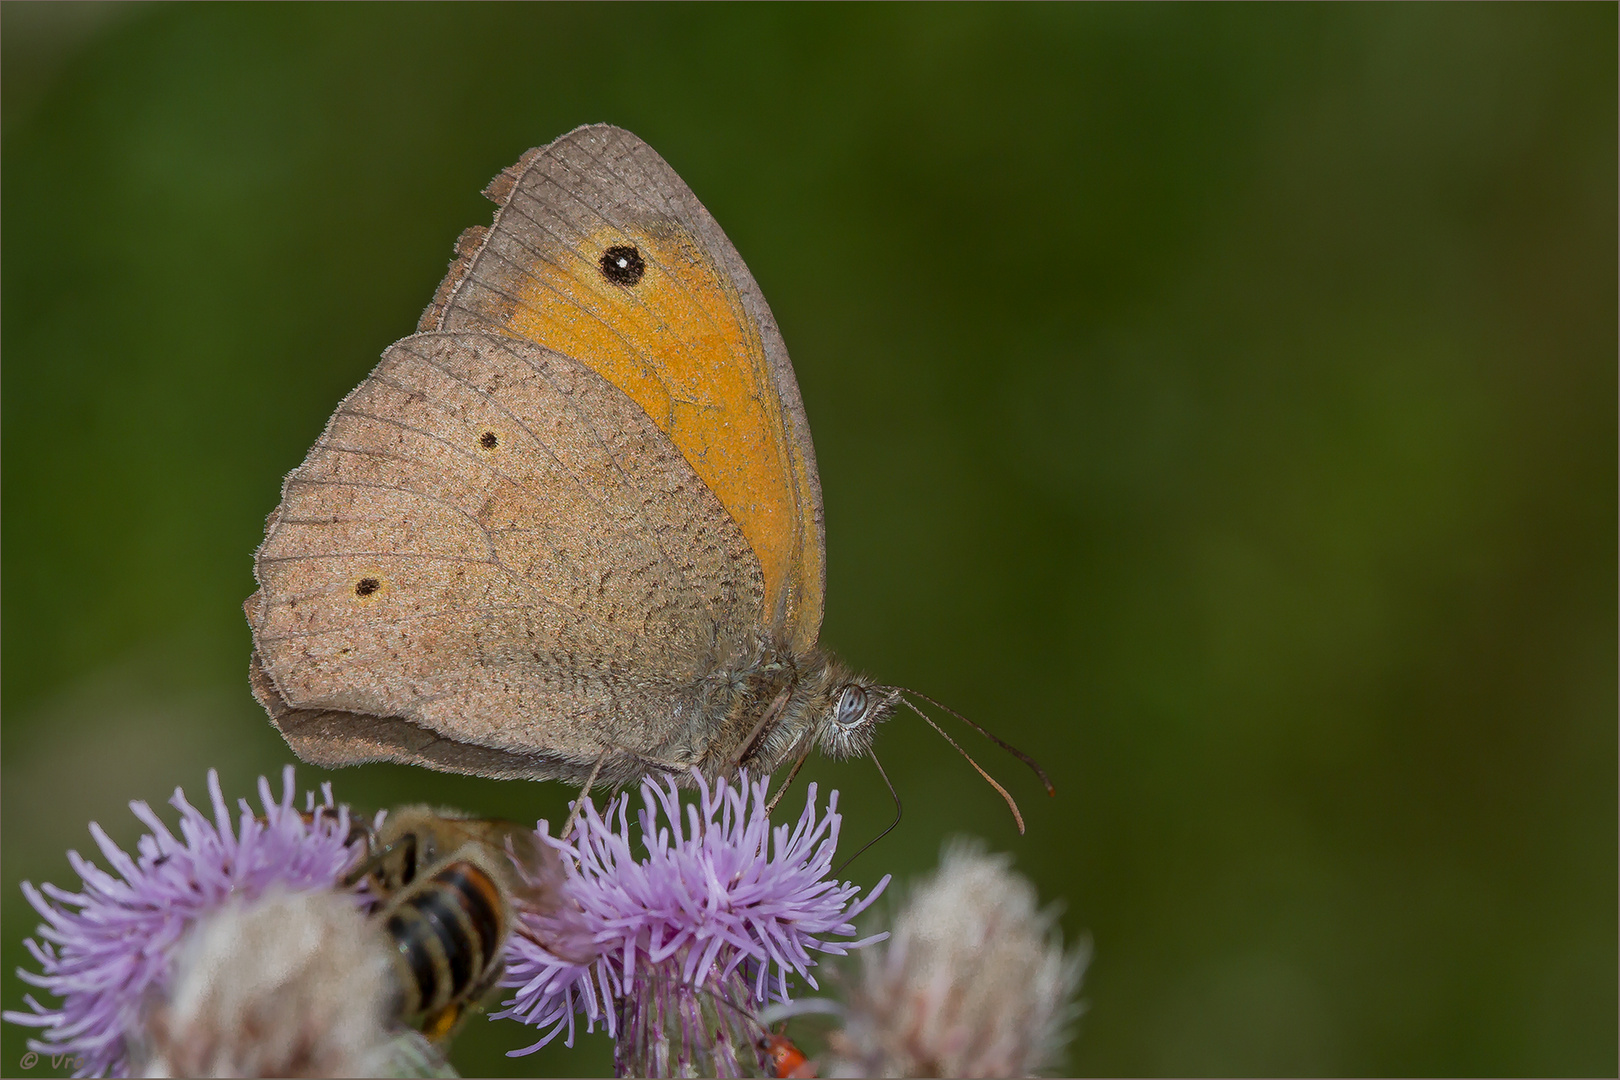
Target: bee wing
[540,871]
[544,913]
[537,884]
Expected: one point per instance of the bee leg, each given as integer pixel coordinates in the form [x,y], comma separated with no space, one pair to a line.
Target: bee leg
[439,1026]
[405,845]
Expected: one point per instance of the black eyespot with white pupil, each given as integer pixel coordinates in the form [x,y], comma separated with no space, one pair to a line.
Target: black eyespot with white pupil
[622,264]
[851,706]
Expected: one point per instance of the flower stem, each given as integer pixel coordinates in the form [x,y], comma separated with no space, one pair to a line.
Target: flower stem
[670,1028]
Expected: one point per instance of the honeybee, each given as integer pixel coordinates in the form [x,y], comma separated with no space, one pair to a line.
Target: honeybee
[447,892]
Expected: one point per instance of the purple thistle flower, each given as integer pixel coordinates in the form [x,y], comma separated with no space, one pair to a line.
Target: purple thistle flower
[724,908]
[105,949]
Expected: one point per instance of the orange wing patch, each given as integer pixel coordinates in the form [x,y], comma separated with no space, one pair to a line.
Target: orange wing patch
[675,345]
[642,302]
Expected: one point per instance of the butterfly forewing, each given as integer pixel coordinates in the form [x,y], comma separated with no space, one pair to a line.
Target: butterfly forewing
[600,251]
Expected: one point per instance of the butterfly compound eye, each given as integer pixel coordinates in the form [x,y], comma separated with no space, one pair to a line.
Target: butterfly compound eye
[622,264]
[851,706]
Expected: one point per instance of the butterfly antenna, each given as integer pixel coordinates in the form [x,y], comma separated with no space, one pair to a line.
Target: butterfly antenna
[1011,805]
[895,795]
[1005,745]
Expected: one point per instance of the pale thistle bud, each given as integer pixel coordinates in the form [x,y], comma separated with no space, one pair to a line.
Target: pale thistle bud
[286,984]
[974,981]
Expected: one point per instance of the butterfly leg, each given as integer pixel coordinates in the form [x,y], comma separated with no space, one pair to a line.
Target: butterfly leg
[744,748]
[573,815]
[797,764]
[666,767]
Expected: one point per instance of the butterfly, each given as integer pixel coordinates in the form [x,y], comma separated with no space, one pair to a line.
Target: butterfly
[572,527]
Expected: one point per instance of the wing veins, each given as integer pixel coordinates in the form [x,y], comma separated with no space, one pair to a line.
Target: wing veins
[629,481]
[616,223]
[573,407]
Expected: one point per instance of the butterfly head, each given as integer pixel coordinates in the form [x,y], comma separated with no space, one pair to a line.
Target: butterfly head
[852,708]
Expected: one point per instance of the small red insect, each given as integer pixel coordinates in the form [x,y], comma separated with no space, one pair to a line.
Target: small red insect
[784,1060]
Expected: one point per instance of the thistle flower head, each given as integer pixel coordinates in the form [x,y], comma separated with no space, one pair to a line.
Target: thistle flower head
[106,950]
[973,982]
[717,901]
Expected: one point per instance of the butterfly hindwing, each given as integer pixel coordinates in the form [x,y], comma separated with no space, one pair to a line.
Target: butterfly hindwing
[494,545]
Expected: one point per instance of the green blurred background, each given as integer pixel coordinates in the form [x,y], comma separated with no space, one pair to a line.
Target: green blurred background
[1217,402]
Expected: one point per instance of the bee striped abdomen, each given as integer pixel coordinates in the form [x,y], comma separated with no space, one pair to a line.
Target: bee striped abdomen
[448,934]
[446,891]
